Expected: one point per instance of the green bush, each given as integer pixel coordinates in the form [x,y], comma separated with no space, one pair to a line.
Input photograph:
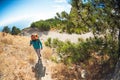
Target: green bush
[41,25]
[48,42]
[55,43]
[80,52]
[44,27]
[6,29]
[15,30]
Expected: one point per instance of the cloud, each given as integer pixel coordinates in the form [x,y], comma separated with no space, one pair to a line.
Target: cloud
[60,8]
[14,18]
[60,1]
[11,20]
[31,17]
[61,5]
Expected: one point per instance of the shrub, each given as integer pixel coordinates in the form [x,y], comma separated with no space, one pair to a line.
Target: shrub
[1,49]
[15,30]
[48,42]
[6,29]
[69,52]
[81,51]
[41,25]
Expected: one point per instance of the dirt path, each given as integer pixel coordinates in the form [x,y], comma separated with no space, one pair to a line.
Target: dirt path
[42,70]
[64,36]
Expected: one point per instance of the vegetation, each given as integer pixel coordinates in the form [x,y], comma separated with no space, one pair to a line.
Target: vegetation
[100,17]
[12,53]
[91,16]
[6,29]
[89,54]
[81,51]
[14,30]
[100,20]
[62,22]
[41,25]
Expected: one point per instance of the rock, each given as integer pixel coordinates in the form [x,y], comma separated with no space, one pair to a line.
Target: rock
[83,73]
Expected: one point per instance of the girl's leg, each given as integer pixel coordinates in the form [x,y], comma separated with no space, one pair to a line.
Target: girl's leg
[38,53]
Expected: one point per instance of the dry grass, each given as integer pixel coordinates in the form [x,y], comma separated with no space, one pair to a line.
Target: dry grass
[16,57]
[7,41]
[1,49]
[47,53]
[99,58]
[58,67]
[31,59]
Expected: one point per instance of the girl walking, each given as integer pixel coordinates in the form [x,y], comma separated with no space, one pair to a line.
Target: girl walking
[37,45]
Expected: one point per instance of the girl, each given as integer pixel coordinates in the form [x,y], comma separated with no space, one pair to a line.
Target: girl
[37,45]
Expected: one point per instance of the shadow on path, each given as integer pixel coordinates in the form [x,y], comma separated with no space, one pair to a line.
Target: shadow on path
[39,70]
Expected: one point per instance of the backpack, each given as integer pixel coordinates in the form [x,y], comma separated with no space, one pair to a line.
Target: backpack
[34,37]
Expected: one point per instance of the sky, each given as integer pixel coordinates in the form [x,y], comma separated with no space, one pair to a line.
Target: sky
[22,13]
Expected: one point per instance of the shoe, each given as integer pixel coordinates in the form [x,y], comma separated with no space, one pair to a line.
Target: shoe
[39,58]
[40,55]
[33,69]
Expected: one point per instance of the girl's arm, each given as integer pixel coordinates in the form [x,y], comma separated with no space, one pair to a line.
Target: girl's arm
[30,42]
[40,44]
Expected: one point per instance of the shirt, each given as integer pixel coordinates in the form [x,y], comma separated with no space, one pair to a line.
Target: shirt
[36,44]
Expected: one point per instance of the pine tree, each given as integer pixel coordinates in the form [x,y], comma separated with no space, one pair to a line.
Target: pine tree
[6,29]
[15,30]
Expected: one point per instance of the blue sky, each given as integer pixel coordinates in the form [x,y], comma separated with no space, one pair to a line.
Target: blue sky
[27,11]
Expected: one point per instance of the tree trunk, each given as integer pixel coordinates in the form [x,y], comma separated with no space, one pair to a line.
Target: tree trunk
[119,44]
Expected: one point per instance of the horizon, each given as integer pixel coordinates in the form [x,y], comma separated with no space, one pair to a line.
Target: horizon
[21,13]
